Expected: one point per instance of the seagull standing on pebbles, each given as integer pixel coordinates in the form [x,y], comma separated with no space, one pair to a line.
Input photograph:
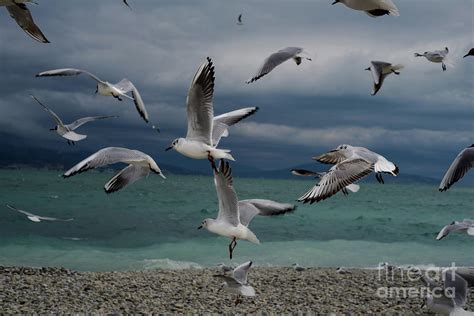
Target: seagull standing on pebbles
[237,282]
[459,167]
[118,90]
[373,8]
[350,165]
[234,217]
[19,11]
[67,130]
[205,130]
[437,56]
[139,166]
[278,58]
[37,218]
[380,70]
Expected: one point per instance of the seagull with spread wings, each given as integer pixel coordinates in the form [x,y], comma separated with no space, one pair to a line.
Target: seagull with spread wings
[37,218]
[205,130]
[67,130]
[139,166]
[351,164]
[467,225]
[236,281]
[437,56]
[118,90]
[278,58]
[380,70]
[234,216]
[20,13]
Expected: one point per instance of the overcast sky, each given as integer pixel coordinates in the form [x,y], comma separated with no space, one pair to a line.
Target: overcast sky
[419,120]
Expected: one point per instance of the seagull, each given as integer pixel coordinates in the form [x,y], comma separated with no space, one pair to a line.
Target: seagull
[306,173]
[67,130]
[373,8]
[451,298]
[278,58]
[470,53]
[459,167]
[380,70]
[437,56]
[205,130]
[239,20]
[350,165]
[139,166]
[236,281]
[37,218]
[467,225]
[19,11]
[234,217]
[117,90]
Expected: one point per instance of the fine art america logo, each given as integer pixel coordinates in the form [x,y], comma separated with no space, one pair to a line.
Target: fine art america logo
[393,275]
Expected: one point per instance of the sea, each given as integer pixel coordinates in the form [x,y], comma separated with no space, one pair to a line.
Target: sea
[153,224]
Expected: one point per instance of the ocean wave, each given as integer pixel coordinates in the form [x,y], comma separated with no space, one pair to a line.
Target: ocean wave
[150,264]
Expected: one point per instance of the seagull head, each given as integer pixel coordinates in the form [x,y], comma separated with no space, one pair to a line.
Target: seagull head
[174,144]
[205,223]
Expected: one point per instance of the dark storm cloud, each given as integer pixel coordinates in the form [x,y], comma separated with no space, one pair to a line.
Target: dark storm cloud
[303,110]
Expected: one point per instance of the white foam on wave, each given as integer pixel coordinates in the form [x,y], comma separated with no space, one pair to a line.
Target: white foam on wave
[149,264]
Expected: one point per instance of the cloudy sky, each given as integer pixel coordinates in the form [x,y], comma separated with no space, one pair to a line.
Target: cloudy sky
[420,119]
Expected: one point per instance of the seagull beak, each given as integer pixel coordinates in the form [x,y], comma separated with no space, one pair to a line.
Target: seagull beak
[168,148]
[200,227]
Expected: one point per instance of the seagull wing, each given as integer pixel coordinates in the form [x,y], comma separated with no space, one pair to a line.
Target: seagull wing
[306,173]
[85,120]
[459,286]
[125,86]
[228,206]
[248,209]
[240,273]
[54,115]
[222,122]
[75,137]
[68,72]
[199,108]
[126,176]
[332,157]
[274,60]
[106,156]
[13,208]
[338,177]
[23,18]
[459,167]
[52,219]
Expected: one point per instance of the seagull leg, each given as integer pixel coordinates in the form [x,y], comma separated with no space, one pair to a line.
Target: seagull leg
[443,66]
[232,246]
[379,178]
[238,300]
[73,143]
[211,160]
[344,191]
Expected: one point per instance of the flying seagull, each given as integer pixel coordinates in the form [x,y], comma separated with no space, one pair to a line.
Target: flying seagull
[319,175]
[449,299]
[437,56]
[373,8]
[459,167]
[139,166]
[239,20]
[37,218]
[467,225]
[470,53]
[350,165]
[19,11]
[67,130]
[278,58]
[380,70]
[234,217]
[205,130]
[236,281]
[117,90]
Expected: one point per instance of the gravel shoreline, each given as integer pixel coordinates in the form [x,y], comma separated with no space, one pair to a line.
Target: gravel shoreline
[279,290]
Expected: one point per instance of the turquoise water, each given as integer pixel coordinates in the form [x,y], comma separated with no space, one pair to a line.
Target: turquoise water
[152,224]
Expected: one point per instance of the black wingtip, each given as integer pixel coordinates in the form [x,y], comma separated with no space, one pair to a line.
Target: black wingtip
[397,170]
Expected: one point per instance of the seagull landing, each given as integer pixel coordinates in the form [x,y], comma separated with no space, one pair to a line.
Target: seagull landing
[437,56]
[466,225]
[118,90]
[236,281]
[20,13]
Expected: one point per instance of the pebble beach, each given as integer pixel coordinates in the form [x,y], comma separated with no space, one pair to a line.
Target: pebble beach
[192,291]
